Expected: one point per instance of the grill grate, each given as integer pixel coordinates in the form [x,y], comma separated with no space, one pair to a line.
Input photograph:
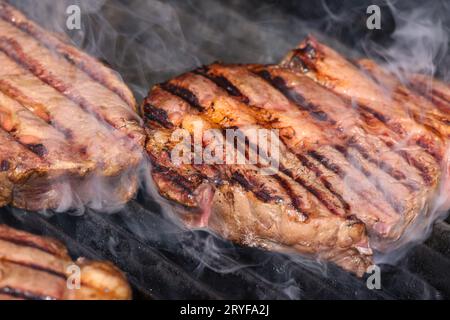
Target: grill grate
[164,261]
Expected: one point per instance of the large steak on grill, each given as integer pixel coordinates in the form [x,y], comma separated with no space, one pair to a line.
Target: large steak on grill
[357,167]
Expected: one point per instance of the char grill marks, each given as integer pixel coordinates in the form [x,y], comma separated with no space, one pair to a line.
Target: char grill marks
[36,268]
[31,267]
[421,109]
[180,183]
[333,71]
[90,66]
[68,79]
[342,117]
[51,112]
[226,112]
[35,134]
[436,91]
[344,149]
[65,108]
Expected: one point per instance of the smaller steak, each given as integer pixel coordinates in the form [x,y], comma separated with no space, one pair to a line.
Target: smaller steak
[39,268]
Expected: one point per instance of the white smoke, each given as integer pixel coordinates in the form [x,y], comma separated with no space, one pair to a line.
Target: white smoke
[420,40]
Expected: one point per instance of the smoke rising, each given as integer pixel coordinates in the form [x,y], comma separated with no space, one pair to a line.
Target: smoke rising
[420,40]
[148,42]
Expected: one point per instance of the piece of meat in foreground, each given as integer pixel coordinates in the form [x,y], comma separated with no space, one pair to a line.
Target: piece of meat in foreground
[39,268]
[70,122]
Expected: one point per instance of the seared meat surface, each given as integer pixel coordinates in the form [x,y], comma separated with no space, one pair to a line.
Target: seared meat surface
[238,202]
[356,168]
[65,119]
[39,268]
[435,90]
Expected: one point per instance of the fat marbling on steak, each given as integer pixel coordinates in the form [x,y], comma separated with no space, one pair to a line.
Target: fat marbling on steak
[39,268]
[65,119]
[356,169]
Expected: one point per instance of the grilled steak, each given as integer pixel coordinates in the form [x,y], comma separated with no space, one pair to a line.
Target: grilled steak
[39,268]
[291,210]
[65,120]
[354,163]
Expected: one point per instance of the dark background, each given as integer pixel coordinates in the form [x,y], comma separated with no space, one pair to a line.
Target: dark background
[148,41]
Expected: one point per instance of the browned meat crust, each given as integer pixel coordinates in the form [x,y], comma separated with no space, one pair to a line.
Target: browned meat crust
[39,268]
[288,211]
[68,118]
[436,91]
